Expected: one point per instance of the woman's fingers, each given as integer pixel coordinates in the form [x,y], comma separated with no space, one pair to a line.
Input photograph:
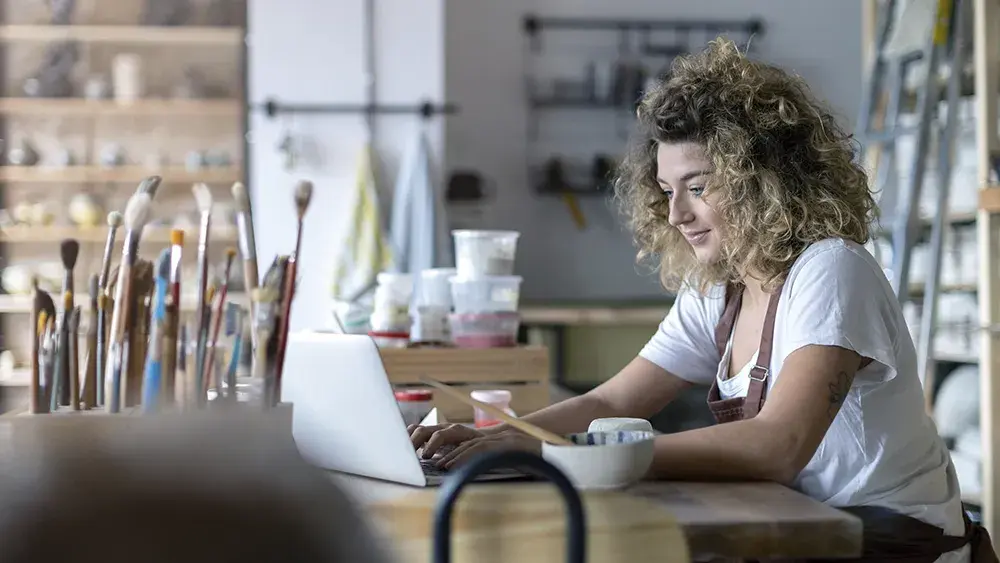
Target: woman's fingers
[453,434]
[446,459]
[467,453]
[420,434]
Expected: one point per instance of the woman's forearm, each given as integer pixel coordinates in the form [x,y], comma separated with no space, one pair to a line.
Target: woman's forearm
[566,417]
[740,450]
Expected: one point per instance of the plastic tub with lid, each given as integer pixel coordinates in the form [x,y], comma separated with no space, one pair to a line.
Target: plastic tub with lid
[484,330]
[434,290]
[490,294]
[485,253]
[499,398]
[393,290]
[414,404]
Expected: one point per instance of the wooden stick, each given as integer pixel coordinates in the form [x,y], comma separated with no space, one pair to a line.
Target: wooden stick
[526,427]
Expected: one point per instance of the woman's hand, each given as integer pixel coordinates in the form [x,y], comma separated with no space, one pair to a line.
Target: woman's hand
[467,442]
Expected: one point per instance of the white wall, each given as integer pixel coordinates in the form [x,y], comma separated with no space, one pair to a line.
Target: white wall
[311,52]
[485,61]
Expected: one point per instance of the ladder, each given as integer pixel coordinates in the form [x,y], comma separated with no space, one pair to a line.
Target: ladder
[884,92]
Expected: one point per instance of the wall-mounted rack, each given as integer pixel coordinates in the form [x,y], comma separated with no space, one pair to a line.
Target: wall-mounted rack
[273,108]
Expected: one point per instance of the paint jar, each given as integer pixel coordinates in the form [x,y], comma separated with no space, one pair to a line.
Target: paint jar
[485,253]
[390,317]
[499,398]
[431,325]
[414,404]
[484,330]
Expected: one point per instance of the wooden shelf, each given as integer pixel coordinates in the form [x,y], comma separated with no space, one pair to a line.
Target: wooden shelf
[155,235]
[22,303]
[123,174]
[63,107]
[136,34]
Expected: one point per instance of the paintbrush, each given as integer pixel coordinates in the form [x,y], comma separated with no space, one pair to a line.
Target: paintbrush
[89,396]
[114,221]
[248,246]
[136,214]
[203,197]
[172,321]
[38,325]
[303,195]
[152,383]
[265,299]
[182,381]
[60,385]
[230,255]
[137,338]
[234,328]
[45,362]
[73,353]
[148,186]
[69,251]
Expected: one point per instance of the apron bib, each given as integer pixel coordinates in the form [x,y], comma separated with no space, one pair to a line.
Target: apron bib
[888,535]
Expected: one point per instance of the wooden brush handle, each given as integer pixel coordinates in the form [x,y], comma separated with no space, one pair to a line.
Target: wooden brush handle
[283,323]
[170,328]
[73,369]
[34,400]
[526,427]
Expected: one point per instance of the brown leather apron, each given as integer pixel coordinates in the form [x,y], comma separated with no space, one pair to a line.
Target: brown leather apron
[888,535]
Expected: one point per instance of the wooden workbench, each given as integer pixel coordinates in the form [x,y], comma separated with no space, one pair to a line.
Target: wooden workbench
[745,520]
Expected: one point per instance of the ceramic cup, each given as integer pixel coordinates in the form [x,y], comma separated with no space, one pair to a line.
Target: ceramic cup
[620,424]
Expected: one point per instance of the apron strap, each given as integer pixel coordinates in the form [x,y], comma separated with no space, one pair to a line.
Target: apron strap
[734,297]
[760,372]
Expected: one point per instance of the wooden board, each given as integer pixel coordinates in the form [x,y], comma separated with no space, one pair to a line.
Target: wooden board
[987,58]
[525,398]
[599,316]
[467,365]
[527,522]
[743,520]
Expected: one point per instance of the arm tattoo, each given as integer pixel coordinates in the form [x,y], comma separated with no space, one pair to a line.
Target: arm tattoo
[838,392]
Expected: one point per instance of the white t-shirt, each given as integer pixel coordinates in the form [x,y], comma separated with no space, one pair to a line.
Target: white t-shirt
[882,448]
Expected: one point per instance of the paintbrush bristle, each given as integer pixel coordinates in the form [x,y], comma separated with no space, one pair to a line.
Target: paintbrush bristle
[149,186]
[177,237]
[115,219]
[137,212]
[230,254]
[45,303]
[69,250]
[163,265]
[203,196]
[303,194]
[242,197]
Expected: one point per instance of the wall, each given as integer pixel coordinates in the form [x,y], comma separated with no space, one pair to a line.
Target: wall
[312,52]
[486,57]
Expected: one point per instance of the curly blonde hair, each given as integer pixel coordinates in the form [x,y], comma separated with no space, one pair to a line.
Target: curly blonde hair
[784,175]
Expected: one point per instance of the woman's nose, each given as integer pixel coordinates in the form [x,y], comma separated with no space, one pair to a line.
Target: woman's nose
[680,211]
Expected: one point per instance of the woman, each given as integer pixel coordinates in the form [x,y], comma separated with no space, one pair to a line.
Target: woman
[746,190]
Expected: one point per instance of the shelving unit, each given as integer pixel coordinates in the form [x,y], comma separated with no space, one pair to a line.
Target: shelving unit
[191,103]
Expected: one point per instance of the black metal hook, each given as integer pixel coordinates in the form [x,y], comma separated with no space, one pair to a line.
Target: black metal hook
[452,487]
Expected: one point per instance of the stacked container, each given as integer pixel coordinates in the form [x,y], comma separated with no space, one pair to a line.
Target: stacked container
[389,323]
[484,290]
[433,304]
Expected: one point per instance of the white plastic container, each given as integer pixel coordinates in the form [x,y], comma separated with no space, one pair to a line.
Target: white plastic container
[490,294]
[484,330]
[499,398]
[394,289]
[431,325]
[414,404]
[434,290]
[485,253]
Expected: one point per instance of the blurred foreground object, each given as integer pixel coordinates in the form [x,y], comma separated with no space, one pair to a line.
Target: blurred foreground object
[206,487]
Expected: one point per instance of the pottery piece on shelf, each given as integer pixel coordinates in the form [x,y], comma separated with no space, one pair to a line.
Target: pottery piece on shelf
[53,79]
[65,158]
[112,155]
[85,211]
[42,215]
[16,279]
[126,76]
[166,12]
[156,160]
[62,11]
[97,88]
[195,160]
[218,159]
[23,154]
[21,212]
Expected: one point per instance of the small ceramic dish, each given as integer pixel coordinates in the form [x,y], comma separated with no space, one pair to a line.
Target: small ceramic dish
[620,423]
[603,460]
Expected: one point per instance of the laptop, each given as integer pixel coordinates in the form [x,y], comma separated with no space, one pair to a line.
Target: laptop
[345,416]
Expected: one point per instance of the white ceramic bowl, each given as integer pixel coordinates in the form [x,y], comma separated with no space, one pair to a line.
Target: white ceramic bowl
[620,423]
[603,460]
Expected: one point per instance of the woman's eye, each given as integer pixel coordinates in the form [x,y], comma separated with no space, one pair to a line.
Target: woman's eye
[668,193]
[696,190]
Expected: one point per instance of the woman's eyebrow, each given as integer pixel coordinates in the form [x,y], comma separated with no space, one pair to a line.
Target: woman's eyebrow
[687,176]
